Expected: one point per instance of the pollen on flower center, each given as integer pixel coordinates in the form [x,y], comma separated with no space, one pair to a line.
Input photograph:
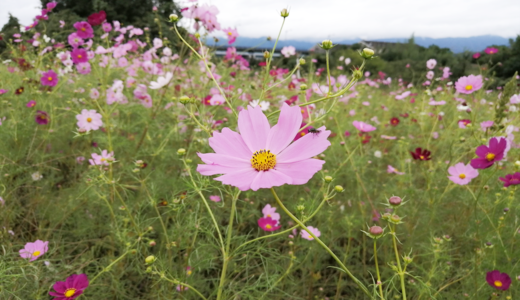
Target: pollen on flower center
[469,87]
[70,292]
[490,156]
[230,33]
[268,226]
[50,78]
[79,56]
[462,176]
[263,160]
[89,120]
[36,253]
[498,283]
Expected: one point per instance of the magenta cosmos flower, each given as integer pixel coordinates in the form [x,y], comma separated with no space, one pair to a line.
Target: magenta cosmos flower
[34,250]
[49,78]
[468,84]
[231,34]
[89,120]
[513,179]
[42,117]
[500,281]
[79,55]
[261,156]
[84,30]
[489,155]
[363,127]
[268,224]
[71,288]
[462,174]
[491,50]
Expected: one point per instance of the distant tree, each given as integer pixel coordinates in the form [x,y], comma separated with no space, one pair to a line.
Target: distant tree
[11,27]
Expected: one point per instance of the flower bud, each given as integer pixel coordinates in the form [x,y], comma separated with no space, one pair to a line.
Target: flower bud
[174,18]
[184,99]
[300,207]
[357,74]
[376,230]
[395,201]
[446,237]
[395,219]
[328,178]
[267,54]
[152,243]
[150,259]
[326,45]
[302,61]
[506,210]
[407,260]
[197,35]
[517,163]
[339,188]
[181,151]
[284,13]
[367,53]
[303,87]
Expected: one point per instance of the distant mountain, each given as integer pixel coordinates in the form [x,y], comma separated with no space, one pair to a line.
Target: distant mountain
[473,44]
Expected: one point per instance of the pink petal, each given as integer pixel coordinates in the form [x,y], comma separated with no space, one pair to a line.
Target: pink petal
[229,142]
[241,179]
[224,160]
[268,179]
[302,171]
[208,170]
[482,151]
[306,147]
[254,128]
[282,134]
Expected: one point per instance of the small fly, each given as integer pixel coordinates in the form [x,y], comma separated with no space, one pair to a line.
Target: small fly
[314,131]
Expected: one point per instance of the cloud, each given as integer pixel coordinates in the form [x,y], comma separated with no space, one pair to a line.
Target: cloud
[24,10]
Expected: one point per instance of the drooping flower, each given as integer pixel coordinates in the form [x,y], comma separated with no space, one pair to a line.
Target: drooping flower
[34,250]
[500,281]
[49,78]
[431,63]
[231,34]
[511,179]
[42,117]
[421,154]
[391,169]
[262,156]
[89,120]
[462,174]
[104,159]
[161,81]
[270,212]
[363,127]
[268,224]
[307,236]
[71,288]
[84,30]
[491,50]
[489,155]
[468,84]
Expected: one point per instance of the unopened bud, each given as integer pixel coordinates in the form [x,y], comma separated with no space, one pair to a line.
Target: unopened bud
[326,45]
[267,54]
[300,207]
[174,18]
[407,259]
[367,53]
[303,87]
[376,230]
[184,99]
[328,178]
[446,237]
[181,151]
[150,259]
[284,13]
[302,61]
[152,243]
[357,74]
[395,201]
[339,188]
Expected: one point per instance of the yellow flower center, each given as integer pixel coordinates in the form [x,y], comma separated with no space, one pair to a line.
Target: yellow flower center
[189,272]
[79,56]
[89,120]
[498,283]
[421,157]
[268,226]
[490,156]
[263,160]
[42,117]
[36,253]
[70,292]
[462,176]
[49,78]
[469,87]
[230,33]
[83,29]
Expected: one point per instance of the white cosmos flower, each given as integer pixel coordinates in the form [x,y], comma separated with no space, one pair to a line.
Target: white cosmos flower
[161,81]
[264,105]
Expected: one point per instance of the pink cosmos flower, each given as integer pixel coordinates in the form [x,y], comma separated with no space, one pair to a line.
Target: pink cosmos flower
[468,84]
[489,155]
[513,179]
[270,212]
[34,250]
[31,103]
[476,55]
[102,159]
[288,51]
[231,34]
[491,50]
[79,55]
[215,198]
[94,93]
[307,236]
[84,30]
[431,63]
[268,224]
[486,124]
[515,99]
[436,103]
[462,174]
[204,14]
[3,91]
[49,78]
[51,5]
[391,169]
[464,123]
[363,127]
[75,41]
[89,120]
[386,137]
[83,68]
[217,100]
[262,156]
[71,288]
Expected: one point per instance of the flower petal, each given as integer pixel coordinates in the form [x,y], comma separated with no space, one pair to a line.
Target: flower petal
[229,142]
[241,179]
[302,171]
[482,151]
[306,147]
[254,128]
[283,133]
[208,170]
[224,160]
[268,179]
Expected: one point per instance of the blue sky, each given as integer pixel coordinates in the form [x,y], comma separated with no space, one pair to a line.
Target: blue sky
[342,19]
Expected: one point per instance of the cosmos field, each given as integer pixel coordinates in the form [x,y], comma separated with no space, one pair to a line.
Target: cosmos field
[135,167]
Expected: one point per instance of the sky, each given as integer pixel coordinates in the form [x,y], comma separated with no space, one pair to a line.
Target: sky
[346,19]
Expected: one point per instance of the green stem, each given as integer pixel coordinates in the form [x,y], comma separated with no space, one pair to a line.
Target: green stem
[379,283]
[343,267]
[401,273]
[269,60]
[175,281]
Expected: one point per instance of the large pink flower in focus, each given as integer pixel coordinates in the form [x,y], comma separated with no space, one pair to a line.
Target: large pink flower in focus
[468,84]
[261,156]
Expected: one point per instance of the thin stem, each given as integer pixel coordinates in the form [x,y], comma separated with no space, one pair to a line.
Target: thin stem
[175,281]
[343,267]
[401,273]
[379,283]
[328,71]
[269,60]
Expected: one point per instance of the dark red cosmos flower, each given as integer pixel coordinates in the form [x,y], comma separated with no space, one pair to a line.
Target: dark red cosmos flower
[513,179]
[405,115]
[500,281]
[365,137]
[291,86]
[42,118]
[421,154]
[97,18]
[394,121]
[291,100]
[23,64]
[19,90]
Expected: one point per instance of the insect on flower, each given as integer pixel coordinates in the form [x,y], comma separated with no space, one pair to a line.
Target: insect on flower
[314,131]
